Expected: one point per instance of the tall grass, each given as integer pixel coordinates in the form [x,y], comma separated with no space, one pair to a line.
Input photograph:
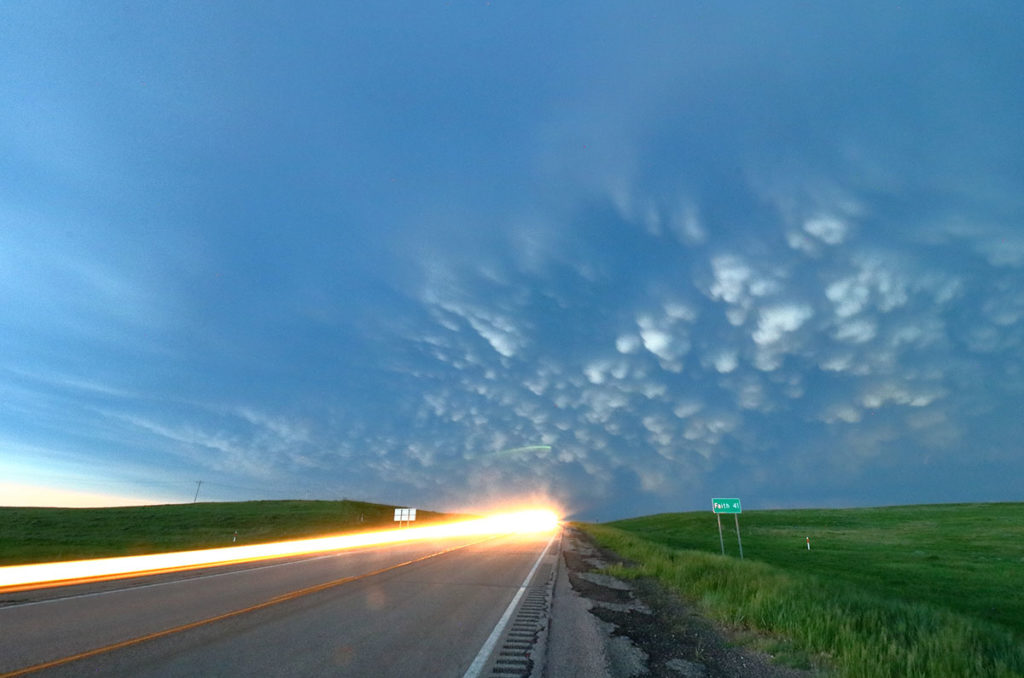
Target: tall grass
[965,557]
[858,633]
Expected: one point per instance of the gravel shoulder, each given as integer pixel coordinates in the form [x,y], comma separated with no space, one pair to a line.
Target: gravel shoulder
[605,627]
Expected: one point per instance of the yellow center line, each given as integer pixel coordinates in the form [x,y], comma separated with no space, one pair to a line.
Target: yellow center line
[227,615]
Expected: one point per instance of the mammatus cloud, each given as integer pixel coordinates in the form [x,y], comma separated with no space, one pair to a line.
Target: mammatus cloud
[774,322]
[654,278]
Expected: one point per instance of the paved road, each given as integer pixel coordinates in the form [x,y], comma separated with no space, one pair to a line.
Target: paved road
[402,610]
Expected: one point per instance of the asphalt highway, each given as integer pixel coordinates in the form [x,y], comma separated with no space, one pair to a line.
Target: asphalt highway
[417,609]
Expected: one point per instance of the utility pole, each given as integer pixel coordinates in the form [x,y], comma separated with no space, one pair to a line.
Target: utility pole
[199,483]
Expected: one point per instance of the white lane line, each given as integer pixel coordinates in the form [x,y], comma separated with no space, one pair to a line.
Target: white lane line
[485,652]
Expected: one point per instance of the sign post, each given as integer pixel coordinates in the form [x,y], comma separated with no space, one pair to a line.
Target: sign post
[728,505]
[404,515]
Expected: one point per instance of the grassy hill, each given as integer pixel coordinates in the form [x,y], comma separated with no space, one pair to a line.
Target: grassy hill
[897,591]
[47,534]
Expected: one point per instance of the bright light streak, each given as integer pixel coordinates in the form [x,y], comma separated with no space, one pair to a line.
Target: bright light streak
[41,575]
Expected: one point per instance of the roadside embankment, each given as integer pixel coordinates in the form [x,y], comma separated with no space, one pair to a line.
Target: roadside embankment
[811,620]
[609,627]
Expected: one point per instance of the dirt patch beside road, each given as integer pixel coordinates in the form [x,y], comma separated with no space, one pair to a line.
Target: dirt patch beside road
[653,632]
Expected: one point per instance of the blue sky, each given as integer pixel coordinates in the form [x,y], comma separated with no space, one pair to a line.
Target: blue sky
[623,256]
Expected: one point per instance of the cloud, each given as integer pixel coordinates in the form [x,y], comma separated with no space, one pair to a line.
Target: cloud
[731,278]
[442,296]
[665,337]
[288,432]
[499,331]
[844,413]
[628,343]
[775,322]
[675,311]
[725,361]
[658,342]
[828,229]
[799,241]
[736,283]
[1001,245]
[687,408]
[857,331]
[1004,251]
[600,370]
[878,396]
[750,395]
[849,296]
[710,428]
[876,287]
[686,225]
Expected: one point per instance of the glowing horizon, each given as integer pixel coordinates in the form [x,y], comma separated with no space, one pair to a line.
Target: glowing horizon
[34,495]
[44,575]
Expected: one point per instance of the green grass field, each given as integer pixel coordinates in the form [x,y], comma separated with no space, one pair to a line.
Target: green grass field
[899,591]
[47,534]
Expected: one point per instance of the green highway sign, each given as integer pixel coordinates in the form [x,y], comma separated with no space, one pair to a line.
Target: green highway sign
[726,506]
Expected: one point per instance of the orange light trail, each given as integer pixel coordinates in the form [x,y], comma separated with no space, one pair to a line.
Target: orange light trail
[42,575]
